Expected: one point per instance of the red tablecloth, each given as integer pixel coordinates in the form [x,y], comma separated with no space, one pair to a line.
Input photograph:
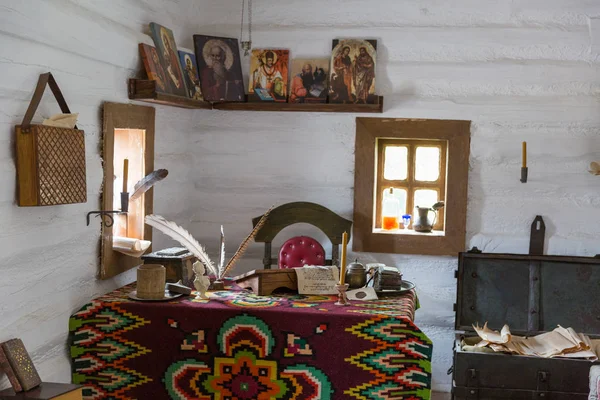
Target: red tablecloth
[240,346]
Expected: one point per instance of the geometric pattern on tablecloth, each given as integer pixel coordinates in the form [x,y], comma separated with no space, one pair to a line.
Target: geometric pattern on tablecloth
[387,307]
[308,383]
[246,369]
[245,332]
[183,378]
[195,341]
[102,320]
[98,350]
[296,346]
[398,361]
[244,299]
[310,298]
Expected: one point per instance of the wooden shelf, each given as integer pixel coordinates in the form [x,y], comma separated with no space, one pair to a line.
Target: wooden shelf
[145,90]
[302,107]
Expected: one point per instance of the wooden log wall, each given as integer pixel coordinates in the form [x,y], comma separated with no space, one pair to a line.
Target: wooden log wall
[520,70]
[48,256]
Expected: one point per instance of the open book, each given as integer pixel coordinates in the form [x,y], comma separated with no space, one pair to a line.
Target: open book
[561,342]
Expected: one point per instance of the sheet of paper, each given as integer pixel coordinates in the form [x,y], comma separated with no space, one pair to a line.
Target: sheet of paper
[561,342]
[62,120]
[317,279]
[493,336]
[129,246]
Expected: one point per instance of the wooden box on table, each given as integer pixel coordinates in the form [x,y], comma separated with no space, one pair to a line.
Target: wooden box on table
[263,282]
[532,294]
[178,262]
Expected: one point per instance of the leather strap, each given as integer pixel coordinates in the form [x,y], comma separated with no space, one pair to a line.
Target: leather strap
[45,79]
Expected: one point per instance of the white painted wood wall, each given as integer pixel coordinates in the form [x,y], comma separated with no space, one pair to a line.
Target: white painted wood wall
[520,70]
[48,256]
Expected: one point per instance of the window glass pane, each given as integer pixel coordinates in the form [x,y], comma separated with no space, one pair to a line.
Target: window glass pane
[425,197]
[427,164]
[400,195]
[395,166]
[129,144]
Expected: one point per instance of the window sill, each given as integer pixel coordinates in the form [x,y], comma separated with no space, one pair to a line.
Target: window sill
[408,232]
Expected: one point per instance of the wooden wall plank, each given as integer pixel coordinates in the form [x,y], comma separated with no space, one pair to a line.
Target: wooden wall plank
[48,256]
[521,70]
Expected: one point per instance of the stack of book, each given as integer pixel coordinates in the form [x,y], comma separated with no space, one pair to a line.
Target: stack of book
[17,365]
[384,277]
[25,380]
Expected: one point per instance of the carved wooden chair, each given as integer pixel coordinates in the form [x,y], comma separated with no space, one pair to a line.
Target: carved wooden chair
[301,250]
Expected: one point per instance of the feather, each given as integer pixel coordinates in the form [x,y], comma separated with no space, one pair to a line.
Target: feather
[221,253]
[244,245]
[176,232]
[147,182]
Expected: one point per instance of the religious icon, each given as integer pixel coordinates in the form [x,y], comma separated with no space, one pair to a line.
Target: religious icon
[154,68]
[263,94]
[353,71]
[220,68]
[309,80]
[190,74]
[269,71]
[167,51]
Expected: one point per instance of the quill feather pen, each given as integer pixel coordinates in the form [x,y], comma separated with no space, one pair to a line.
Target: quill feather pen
[182,236]
[244,245]
[221,254]
[147,182]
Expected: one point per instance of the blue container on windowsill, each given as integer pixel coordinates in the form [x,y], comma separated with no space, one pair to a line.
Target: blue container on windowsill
[406,220]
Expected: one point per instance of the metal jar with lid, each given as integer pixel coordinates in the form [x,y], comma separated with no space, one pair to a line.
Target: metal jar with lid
[356,275]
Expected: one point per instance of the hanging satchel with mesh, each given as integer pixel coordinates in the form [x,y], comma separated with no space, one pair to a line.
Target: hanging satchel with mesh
[50,160]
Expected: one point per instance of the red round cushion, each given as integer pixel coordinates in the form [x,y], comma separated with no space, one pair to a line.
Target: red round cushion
[300,251]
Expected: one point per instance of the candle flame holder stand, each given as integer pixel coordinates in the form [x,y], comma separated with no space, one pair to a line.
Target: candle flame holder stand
[524,171]
[108,214]
[342,298]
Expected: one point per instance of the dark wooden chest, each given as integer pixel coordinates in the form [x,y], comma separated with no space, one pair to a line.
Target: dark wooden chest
[178,262]
[532,294]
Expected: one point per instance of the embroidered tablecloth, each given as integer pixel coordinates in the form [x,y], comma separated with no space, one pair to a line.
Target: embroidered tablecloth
[239,346]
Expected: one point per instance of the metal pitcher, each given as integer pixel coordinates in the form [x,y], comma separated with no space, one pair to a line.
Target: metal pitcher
[422,222]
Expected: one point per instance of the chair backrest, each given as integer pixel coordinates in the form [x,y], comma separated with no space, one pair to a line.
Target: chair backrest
[300,251]
[331,224]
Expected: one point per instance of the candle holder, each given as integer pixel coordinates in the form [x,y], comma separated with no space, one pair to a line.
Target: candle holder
[524,171]
[524,164]
[342,298]
[109,221]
